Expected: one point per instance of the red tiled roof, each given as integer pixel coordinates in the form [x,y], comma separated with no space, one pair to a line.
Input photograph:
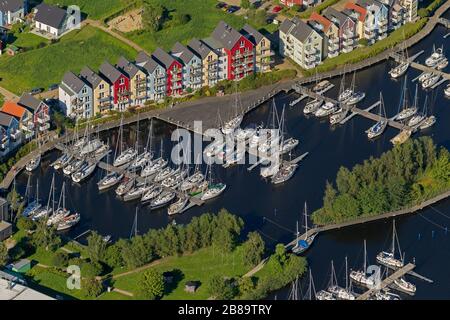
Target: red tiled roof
[353,6]
[322,20]
[13,109]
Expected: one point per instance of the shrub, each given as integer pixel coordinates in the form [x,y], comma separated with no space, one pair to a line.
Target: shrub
[91,288]
[60,259]
[91,269]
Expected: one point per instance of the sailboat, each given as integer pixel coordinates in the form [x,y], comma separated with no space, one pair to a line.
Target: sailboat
[420,116]
[46,211]
[312,106]
[111,178]
[311,292]
[192,181]
[344,94]
[33,206]
[146,156]
[85,171]
[378,128]
[404,285]
[163,199]
[35,161]
[214,189]
[304,244]
[335,289]
[356,96]
[360,276]
[429,121]
[125,156]
[387,258]
[230,126]
[402,67]
[61,212]
[178,206]
[406,112]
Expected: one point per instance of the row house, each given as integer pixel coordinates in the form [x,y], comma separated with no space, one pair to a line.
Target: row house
[101,90]
[156,76]
[411,7]
[238,50]
[209,61]
[222,62]
[377,20]
[301,3]
[22,116]
[301,43]
[75,97]
[119,85]
[10,136]
[263,52]
[38,121]
[12,11]
[138,81]
[174,72]
[192,67]
[358,14]
[396,13]
[329,32]
[346,26]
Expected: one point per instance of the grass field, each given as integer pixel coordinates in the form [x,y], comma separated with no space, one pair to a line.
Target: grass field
[45,66]
[199,266]
[204,18]
[95,9]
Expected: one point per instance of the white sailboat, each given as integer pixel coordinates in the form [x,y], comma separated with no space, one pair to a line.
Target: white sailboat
[339,292]
[125,156]
[418,118]
[44,212]
[361,276]
[111,178]
[406,111]
[33,206]
[387,258]
[402,67]
[305,242]
[230,126]
[378,128]
[61,211]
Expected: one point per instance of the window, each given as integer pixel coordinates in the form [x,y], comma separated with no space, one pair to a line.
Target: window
[122,81]
[242,44]
[102,86]
[84,91]
[102,95]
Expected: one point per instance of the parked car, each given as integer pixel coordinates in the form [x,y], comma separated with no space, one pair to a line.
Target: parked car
[277,9]
[233,9]
[36,91]
[53,87]
[221,5]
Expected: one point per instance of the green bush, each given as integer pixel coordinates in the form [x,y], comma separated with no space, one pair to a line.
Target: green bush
[60,259]
[91,269]
[25,224]
[91,288]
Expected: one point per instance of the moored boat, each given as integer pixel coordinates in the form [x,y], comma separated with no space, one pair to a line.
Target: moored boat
[162,200]
[178,206]
[213,191]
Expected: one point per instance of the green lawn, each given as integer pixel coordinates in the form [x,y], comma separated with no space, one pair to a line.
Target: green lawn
[45,66]
[204,18]
[95,9]
[199,266]
[28,40]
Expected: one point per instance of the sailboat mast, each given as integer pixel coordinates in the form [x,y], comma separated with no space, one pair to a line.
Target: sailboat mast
[306,221]
[365,257]
[346,273]
[393,237]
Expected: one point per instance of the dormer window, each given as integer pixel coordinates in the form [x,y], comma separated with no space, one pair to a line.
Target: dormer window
[122,81]
[242,44]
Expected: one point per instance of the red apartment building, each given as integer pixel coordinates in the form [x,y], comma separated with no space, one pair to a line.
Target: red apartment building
[174,71]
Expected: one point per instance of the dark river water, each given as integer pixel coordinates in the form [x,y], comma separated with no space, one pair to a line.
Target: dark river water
[273,211]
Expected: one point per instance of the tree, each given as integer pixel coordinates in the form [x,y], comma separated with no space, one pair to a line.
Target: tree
[3,254]
[45,237]
[423,12]
[96,247]
[113,256]
[245,4]
[25,224]
[91,288]
[152,284]
[91,269]
[220,288]
[14,200]
[153,16]
[253,249]
[60,259]
[257,17]
[246,285]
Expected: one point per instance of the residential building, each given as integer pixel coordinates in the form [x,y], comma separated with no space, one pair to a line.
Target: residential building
[40,113]
[5,227]
[192,66]
[138,81]
[173,69]
[291,3]
[210,62]
[376,24]
[301,43]
[75,96]
[156,76]
[238,49]
[263,52]
[359,15]
[22,115]
[119,84]
[410,7]
[51,20]
[222,63]
[12,11]
[397,16]
[10,135]
[12,288]
[347,28]
[329,32]
[101,91]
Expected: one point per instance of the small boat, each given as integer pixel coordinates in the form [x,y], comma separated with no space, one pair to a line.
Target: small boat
[399,70]
[110,180]
[178,206]
[425,76]
[322,86]
[312,106]
[154,167]
[165,173]
[62,161]
[428,122]
[435,57]
[404,285]
[213,191]
[84,173]
[447,91]
[442,64]
[304,244]
[152,193]
[325,110]
[125,157]
[324,295]
[141,161]
[360,276]
[338,117]
[68,222]
[104,148]
[162,200]
[33,164]
[90,147]
[192,181]
[288,145]
[73,166]
[136,192]
[125,186]
[401,137]
[339,292]
[406,113]
[80,143]
[286,172]
[431,81]
[388,259]
[355,98]
[32,208]
[345,95]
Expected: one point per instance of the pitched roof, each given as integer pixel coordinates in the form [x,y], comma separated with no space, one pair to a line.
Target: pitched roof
[226,35]
[212,43]
[335,16]
[29,102]
[163,57]
[52,16]
[252,34]
[110,72]
[11,5]
[5,119]
[326,24]
[73,82]
[142,57]
[200,48]
[182,52]
[286,26]
[90,77]
[360,10]
[298,29]
[127,67]
[13,109]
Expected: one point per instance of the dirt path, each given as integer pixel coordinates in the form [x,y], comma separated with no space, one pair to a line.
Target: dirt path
[8,95]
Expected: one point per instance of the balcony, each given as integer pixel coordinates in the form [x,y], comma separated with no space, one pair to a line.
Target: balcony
[103,99]
[310,59]
[383,22]
[310,65]
[124,93]
[43,118]
[383,29]
[44,127]
[348,43]
[161,76]
[177,85]
[347,49]
[176,78]
[15,135]
[332,54]
[4,143]
[348,35]
[333,46]
[310,50]
[369,34]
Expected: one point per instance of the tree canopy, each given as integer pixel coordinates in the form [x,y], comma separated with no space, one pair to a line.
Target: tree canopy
[152,284]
